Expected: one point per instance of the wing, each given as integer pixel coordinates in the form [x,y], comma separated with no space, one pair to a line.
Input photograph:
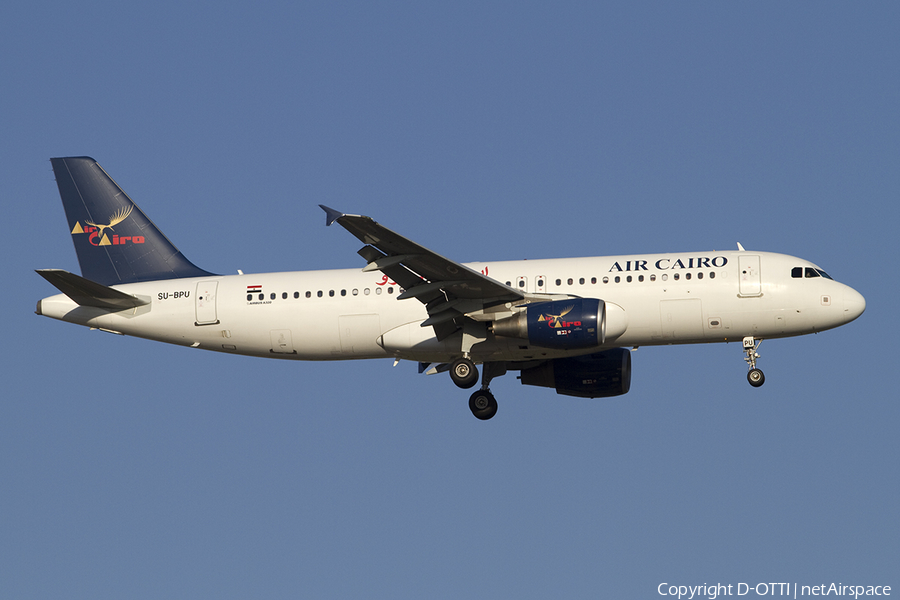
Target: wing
[448,289]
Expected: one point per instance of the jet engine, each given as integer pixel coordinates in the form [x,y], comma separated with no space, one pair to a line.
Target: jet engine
[599,375]
[560,324]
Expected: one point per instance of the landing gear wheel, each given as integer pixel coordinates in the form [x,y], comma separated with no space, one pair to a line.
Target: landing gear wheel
[463,373]
[756,377]
[483,405]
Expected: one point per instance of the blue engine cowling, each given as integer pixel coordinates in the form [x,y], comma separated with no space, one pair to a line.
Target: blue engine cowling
[599,375]
[562,324]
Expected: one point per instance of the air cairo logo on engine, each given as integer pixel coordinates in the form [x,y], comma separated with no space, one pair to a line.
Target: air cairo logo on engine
[556,322]
[98,237]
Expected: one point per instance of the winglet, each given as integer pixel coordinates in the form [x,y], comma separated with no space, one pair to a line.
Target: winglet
[331,215]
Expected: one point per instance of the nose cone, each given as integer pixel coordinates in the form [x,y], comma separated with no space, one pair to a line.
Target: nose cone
[854,304]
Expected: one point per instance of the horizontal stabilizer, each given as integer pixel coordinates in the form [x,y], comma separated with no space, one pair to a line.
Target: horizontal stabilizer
[85,292]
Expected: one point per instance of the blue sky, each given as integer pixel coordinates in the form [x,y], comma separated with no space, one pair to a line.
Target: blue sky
[484,131]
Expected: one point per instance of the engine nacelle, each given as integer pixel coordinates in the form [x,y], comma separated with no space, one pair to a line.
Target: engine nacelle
[599,375]
[561,324]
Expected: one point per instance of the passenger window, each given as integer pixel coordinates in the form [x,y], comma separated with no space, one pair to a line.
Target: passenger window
[319,293]
[640,278]
[653,278]
[377,291]
[700,275]
[559,282]
[296,295]
[249,297]
[540,283]
[343,292]
[262,296]
[355,292]
[687,275]
[390,290]
[581,281]
[712,274]
[665,277]
[570,281]
[309,294]
[606,280]
[284,295]
[677,276]
[618,279]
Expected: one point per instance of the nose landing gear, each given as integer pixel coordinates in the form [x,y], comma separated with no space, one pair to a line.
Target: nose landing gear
[754,376]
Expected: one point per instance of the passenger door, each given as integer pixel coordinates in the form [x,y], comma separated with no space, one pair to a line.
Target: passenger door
[206,303]
[750,280]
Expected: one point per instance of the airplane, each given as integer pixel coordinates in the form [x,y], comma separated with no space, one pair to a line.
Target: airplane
[568,324]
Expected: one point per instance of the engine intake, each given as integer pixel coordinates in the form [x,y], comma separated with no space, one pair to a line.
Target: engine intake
[599,375]
[561,324]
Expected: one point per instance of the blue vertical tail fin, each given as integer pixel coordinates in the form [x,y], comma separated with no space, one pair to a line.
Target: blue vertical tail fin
[114,240]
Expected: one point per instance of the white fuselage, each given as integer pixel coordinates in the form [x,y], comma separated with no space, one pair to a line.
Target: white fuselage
[348,314]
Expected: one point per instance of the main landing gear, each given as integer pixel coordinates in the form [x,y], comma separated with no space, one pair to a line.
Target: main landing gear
[754,376]
[483,404]
[465,375]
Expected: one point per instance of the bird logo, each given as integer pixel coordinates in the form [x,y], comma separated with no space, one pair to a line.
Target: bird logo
[119,216]
[555,321]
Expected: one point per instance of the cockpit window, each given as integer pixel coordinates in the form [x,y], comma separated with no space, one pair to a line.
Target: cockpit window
[798,272]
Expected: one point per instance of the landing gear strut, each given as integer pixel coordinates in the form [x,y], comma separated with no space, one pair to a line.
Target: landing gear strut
[754,376]
[482,403]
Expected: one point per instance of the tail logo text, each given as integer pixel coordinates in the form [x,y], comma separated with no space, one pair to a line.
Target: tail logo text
[98,237]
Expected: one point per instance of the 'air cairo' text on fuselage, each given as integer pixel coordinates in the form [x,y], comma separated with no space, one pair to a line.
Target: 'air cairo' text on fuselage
[663,264]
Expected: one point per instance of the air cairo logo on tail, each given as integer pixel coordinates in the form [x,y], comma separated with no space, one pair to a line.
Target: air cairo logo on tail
[98,237]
